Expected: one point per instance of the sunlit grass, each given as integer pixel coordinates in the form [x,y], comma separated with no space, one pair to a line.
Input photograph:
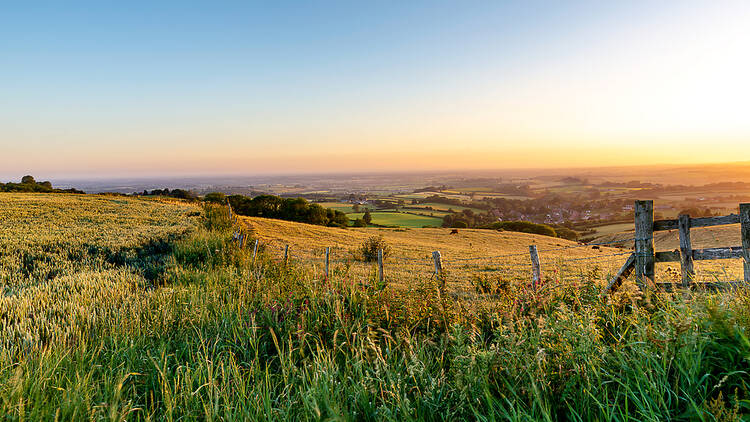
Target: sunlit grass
[194,330]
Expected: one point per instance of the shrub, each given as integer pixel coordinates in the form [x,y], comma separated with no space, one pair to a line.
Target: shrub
[566,233]
[370,247]
[360,223]
[525,227]
[216,198]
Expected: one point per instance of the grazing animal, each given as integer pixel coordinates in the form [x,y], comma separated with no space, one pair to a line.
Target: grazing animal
[454,231]
[595,247]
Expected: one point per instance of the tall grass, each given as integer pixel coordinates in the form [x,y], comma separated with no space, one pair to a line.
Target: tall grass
[216,337]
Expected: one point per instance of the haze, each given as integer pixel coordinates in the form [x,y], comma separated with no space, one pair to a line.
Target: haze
[248,88]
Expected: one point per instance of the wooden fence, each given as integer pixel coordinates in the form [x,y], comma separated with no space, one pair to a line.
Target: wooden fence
[643,261]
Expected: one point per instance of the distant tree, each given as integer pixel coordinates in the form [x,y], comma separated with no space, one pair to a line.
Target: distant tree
[566,233]
[355,207]
[28,180]
[215,197]
[360,223]
[367,218]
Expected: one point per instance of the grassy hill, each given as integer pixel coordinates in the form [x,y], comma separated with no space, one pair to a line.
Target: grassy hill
[130,309]
[467,255]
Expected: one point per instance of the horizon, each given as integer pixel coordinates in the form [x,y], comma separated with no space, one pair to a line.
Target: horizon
[185,90]
[660,174]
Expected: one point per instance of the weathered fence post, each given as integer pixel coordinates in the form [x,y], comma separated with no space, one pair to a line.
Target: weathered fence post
[686,251]
[536,268]
[745,228]
[286,254]
[328,253]
[381,276]
[438,265]
[645,267]
[255,250]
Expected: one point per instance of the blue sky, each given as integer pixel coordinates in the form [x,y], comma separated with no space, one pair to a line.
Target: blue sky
[215,87]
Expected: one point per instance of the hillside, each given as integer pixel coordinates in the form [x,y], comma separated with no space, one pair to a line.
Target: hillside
[469,254]
[133,309]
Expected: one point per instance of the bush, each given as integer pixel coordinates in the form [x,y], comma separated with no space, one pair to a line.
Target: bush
[360,223]
[370,247]
[566,233]
[459,224]
[524,227]
[216,198]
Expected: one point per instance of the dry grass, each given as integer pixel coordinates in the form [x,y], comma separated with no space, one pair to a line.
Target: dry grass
[703,237]
[470,254]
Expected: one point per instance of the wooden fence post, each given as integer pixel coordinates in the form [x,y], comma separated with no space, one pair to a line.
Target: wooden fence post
[745,228]
[381,276]
[686,251]
[328,253]
[645,259]
[286,254]
[536,268]
[255,250]
[438,264]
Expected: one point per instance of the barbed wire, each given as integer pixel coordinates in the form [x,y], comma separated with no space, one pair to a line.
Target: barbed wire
[598,257]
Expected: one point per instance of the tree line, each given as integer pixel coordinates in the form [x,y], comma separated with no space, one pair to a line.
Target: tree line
[291,209]
[28,184]
[174,193]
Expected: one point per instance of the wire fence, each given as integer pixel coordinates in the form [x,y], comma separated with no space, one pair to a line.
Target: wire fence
[600,260]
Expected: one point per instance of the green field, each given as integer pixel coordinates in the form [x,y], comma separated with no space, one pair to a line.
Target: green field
[444,207]
[384,218]
[341,206]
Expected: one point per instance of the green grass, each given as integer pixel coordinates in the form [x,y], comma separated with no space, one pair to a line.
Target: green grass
[445,207]
[217,337]
[341,206]
[384,218]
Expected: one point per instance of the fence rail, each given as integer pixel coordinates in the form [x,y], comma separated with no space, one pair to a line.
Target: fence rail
[644,259]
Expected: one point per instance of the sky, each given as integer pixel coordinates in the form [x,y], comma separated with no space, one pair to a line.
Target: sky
[133,88]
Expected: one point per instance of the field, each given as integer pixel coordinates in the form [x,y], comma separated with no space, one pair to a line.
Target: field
[401,219]
[128,309]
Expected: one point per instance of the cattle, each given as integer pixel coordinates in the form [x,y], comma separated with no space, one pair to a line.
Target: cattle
[454,231]
[595,247]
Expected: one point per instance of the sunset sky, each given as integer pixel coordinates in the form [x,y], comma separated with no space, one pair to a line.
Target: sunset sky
[187,88]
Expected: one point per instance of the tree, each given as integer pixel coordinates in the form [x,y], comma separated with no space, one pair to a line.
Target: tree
[355,207]
[367,218]
[28,180]
[215,197]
